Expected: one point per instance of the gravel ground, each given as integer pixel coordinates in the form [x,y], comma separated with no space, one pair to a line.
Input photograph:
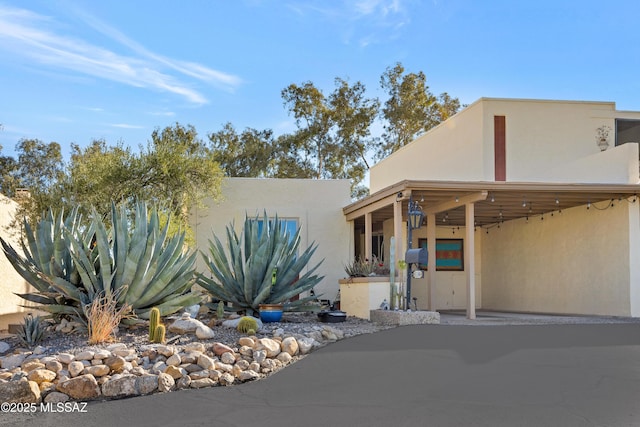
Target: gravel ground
[136,337]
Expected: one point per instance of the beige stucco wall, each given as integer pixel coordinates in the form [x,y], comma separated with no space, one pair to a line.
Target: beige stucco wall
[546,141]
[580,261]
[10,281]
[317,204]
[451,151]
[544,137]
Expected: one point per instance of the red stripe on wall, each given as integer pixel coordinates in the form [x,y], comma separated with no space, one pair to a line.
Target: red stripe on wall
[499,143]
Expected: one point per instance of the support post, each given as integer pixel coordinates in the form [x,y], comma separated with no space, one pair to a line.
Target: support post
[469,259]
[431,252]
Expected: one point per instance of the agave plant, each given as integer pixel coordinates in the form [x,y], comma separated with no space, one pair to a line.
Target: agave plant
[32,331]
[47,255]
[259,266]
[134,260]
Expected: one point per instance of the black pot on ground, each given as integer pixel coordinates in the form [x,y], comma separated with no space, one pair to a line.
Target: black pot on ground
[332,316]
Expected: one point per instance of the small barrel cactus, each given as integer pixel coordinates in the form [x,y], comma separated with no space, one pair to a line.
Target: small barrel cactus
[246,324]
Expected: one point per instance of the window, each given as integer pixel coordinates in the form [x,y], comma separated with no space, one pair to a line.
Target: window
[291,225]
[449,254]
[627,130]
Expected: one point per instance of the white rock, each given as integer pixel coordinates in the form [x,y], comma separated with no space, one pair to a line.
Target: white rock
[228,358]
[284,357]
[85,355]
[272,347]
[305,344]
[205,362]
[146,383]
[290,345]
[204,332]
[101,354]
[226,379]
[56,397]
[197,347]
[12,361]
[75,368]
[66,358]
[185,325]
[165,382]
[259,355]
[248,375]
[204,382]
[174,360]
[198,375]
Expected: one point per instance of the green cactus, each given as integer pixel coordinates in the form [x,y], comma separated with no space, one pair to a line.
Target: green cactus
[246,324]
[159,334]
[220,311]
[154,322]
[251,332]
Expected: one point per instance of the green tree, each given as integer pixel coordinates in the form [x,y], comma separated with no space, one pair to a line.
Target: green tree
[411,108]
[333,131]
[98,167]
[8,180]
[248,154]
[175,172]
[179,169]
[40,171]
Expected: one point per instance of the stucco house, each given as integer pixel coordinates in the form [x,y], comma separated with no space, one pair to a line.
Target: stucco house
[311,204]
[525,208]
[12,307]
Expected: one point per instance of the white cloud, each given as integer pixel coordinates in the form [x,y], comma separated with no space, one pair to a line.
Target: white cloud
[367,21]
[126,126]
[26,34]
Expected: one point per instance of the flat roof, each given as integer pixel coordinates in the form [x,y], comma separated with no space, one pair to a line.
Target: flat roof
[495,202]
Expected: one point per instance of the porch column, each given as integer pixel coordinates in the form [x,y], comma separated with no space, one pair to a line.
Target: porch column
[469,259]
[368,252]
[397,230]
[431,251]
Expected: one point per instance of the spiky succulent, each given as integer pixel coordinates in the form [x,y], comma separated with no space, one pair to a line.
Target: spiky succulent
[32,331]
[131,258]
[259,266]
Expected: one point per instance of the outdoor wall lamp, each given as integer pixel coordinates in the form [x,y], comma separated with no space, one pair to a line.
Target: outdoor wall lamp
[414,221]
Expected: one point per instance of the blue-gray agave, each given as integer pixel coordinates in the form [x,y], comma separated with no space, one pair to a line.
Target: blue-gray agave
[259,267]
[133,259]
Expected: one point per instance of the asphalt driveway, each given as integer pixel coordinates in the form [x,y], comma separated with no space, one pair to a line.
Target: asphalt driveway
[432,375]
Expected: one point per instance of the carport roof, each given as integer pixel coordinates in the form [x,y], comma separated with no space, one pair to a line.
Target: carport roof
[495,202]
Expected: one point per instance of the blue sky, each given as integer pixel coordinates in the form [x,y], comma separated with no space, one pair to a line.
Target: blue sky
[77,70]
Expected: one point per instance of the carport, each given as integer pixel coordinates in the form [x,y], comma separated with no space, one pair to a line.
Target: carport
[475,206]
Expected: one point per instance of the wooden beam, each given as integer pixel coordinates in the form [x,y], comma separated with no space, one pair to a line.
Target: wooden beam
[452,204]
[379,204]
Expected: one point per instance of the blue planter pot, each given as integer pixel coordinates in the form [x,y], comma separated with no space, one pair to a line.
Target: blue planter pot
[270,312]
